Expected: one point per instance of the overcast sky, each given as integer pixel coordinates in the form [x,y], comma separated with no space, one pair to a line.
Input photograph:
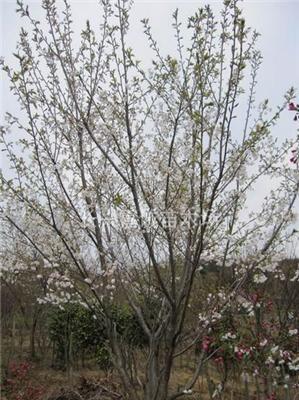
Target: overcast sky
[276,21]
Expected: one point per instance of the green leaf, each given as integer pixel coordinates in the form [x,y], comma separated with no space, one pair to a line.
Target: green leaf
[117,200]
[15,77]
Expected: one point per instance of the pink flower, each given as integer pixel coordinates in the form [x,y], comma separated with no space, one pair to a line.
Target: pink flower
[219,360]
[293,107]
[206,343]
[255,298]
[272,397]
[239,353]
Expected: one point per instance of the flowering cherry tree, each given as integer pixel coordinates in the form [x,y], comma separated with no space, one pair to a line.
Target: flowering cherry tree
[133,181]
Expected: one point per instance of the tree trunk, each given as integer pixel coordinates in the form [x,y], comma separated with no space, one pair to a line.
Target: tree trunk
[32,338]
[13,333]
[158,376]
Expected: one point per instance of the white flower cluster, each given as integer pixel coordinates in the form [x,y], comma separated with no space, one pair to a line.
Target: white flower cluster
[294,365]
[187,391]
[47,264]
[296,276]
[55,298]
[216,316]
[203,320]
[284,358]
[229,336]
[270,361]
[293,332]
[60,290]
[60,281]
[260,278]
[246,305]
[218,390]
[242,351]
[271,267]
[264,342]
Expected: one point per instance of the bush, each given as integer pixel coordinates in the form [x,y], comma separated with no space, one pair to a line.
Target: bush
[128,326]
[75,333]
[18,385]
[103,357]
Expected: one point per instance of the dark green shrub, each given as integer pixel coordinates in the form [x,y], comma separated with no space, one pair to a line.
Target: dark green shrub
[103,357]
[76,334]
[128,326]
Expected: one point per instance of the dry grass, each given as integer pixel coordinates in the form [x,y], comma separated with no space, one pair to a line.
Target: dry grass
[53,380]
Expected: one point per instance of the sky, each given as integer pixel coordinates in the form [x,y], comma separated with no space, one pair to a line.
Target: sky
[277,21]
